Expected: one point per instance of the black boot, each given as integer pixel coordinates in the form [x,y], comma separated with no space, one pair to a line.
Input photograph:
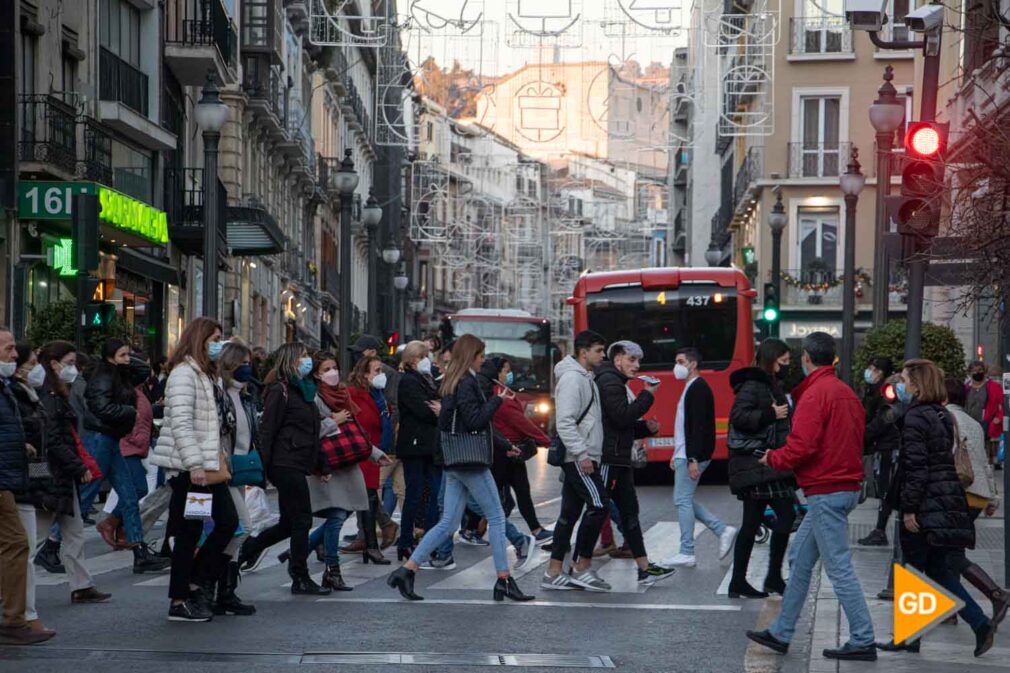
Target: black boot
[775,585]
[506,587]
[981,581]
[403,579]
[744,590]
[227,603]
[146,562]
[48,557]
[332,579]
[983,638]
[303,585]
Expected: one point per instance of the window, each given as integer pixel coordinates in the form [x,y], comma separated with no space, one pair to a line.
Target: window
[68,76]
[896,14]
[823,28]
[818,241]
[981,35]
[120,29]
[820,136]
[28,47]
[429,132]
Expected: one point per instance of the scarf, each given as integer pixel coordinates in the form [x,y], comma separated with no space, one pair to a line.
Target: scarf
[387,421]
[337,398]
[308,388]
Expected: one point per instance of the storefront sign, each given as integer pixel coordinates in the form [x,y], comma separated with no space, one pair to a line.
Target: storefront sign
[62,258]
[792,329]
[52,201]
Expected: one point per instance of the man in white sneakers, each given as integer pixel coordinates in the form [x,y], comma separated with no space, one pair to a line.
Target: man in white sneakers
[694,441]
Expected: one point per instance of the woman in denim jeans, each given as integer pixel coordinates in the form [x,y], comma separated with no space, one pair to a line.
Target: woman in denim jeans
[465,409]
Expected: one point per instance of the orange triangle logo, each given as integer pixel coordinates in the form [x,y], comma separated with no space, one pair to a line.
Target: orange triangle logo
[919,604]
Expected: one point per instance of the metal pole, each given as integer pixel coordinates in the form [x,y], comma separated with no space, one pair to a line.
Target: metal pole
[881,261]
[210,223]
[773,328]
[373,284]
[849,289]
[82,306]
[344,323]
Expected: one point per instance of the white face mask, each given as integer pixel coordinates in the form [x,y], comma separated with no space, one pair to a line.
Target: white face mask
[68,374]
[680,372]
[331,378]
[8,369]
[379,382]
[424,366]
[37,376]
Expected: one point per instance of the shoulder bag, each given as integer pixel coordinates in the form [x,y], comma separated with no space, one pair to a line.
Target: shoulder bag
[962,458]
[465,449]
[348,447]
[556,451]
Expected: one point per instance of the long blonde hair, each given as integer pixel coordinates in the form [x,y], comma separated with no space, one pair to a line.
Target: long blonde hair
[464,352]
[286,363]
[415,351]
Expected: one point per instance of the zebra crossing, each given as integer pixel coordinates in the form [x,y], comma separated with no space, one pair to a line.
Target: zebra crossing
[474,570]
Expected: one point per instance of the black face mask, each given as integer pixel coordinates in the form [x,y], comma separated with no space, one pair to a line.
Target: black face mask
[978,377]
[783,373]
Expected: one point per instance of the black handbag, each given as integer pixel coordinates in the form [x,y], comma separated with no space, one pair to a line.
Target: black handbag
[556,451]
[465,449]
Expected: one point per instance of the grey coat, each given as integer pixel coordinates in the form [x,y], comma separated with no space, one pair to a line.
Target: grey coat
[346,487]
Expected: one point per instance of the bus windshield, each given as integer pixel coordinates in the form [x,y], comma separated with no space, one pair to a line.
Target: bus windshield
[664,321]
[525,344]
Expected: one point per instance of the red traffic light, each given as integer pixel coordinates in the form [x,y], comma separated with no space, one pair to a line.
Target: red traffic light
[926,139]
[889,393]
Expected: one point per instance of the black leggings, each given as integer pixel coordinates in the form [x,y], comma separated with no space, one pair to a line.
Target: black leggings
[883,478]
[956,557]
[294,523]
[513,476]
[190,566]
[753,513]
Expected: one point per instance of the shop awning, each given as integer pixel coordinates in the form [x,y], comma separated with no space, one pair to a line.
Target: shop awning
[154,268]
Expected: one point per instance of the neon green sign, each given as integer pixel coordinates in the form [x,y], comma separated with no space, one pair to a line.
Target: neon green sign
[132,215]
[63,257]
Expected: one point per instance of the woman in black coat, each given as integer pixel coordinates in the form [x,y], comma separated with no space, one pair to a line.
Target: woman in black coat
[929,495]
[759,421]
[416,442]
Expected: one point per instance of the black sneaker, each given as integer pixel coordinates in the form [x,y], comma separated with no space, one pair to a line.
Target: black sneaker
[654,573]
[876,538]
[190,611]
[145,561]
[48,557]
[248,563]
[850,652]
[766,639]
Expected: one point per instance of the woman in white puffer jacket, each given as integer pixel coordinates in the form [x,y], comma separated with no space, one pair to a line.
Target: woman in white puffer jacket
[189,449]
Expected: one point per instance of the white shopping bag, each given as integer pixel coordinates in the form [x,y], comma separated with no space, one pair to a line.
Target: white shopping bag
[260,516]
[198,505]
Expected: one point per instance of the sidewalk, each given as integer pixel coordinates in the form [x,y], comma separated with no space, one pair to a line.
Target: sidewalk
[945,649]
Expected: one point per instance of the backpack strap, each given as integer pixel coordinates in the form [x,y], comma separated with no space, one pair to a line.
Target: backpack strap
[592,400]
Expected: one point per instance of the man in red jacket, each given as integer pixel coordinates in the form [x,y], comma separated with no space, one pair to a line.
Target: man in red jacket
[824,450]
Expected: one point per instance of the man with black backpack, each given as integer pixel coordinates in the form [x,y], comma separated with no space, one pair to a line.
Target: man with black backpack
[580,431]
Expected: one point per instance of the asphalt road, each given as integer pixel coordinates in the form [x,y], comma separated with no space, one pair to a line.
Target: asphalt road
[685,623]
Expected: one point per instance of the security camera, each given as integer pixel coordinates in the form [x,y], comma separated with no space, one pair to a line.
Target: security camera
[867,15]
[925,19]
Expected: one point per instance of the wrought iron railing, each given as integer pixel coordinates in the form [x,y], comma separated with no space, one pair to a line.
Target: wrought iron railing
[264,84]
[120,81]
[820,35]
[48,131]
[200,23]
[817,160]
[749,171]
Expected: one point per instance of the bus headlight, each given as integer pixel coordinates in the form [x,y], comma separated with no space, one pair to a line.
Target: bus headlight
[543,408]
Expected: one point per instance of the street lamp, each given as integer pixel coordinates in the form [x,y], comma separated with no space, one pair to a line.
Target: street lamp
[346,182]
[714,254]
[400,280]
[777,221]
[886,115]
[391,254]
[371,215]
[211,115]
[852,182]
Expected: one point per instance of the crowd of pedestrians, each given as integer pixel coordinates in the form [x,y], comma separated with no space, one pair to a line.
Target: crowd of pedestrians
[444,439]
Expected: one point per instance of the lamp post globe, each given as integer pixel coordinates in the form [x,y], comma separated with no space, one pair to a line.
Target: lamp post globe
[887,112]
[400,280]
[347,178]
[777,219]
[713,255]
[371,214]
[211,112]
[391,254]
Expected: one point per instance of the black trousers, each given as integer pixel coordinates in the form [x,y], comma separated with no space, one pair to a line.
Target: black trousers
[580,491]
[753,513]
[620,483]
[883,478]
[295,521]
[511,475]
[188,565]
[956,558]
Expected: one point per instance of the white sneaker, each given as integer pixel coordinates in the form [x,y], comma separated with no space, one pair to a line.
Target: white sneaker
[679,561]
[726,541]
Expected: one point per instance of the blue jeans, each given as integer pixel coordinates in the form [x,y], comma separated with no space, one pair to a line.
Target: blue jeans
[444,550]
[688,511]
[105,450]
[416,473]
[135,466]
[458,485]
[328,534]
[824,535]
[388,496]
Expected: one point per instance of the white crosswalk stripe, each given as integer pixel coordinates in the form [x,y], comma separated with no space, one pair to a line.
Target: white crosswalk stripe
[756,570]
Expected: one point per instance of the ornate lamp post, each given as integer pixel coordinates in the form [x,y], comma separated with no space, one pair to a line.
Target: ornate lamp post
[371,215]
[211,115]
[777,220]
[346,181]
[852,182]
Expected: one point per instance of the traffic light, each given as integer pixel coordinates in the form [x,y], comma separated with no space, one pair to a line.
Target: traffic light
[99,314]
[771,304]
[392,341]
[917,211]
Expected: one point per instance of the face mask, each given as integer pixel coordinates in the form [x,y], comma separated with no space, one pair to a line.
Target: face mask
[139,372]
[68,374]
[806,370]
[782,373]
[680,372]
[903,395]
[868,376]
[510,379]
[243,374]
[304,367]
[424,366]
[331,378]
[214,349]
[8,369]
[37,376]
[978,377]
[379,382]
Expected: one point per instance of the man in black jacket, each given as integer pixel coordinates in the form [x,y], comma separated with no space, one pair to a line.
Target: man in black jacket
[622,427]
[694,438]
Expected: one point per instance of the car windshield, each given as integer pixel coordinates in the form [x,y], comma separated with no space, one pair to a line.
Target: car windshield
[525,344]
[664,321]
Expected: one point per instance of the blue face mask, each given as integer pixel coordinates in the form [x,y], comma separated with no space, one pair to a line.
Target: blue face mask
[214,349]
[806,370]
[243,374]
[868,376]
[304,367]
[509,379]
[902,392]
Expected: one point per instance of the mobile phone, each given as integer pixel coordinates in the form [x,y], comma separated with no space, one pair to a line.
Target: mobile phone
[759,453]
[651,380]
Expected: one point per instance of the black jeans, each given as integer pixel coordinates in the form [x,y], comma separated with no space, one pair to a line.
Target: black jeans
[620,483]
[511,475]
[580,490]
[295,521]
[956,558]
[883,478]
[753,513]
[188,565]
[418,473]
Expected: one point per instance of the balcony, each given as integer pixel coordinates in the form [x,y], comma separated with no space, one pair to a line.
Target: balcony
[820,37]
[263,29]
[305,146]
[96,164]
[120,81]
[822,288]
[200,37]
[817,160]
[263,85]
[252,230]
[48,134]
[748,173]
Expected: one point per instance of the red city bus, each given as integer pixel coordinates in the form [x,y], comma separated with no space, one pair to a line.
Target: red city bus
[522,338]
[664,310]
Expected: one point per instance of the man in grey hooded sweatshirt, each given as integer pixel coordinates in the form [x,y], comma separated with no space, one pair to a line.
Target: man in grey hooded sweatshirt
[580,428]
